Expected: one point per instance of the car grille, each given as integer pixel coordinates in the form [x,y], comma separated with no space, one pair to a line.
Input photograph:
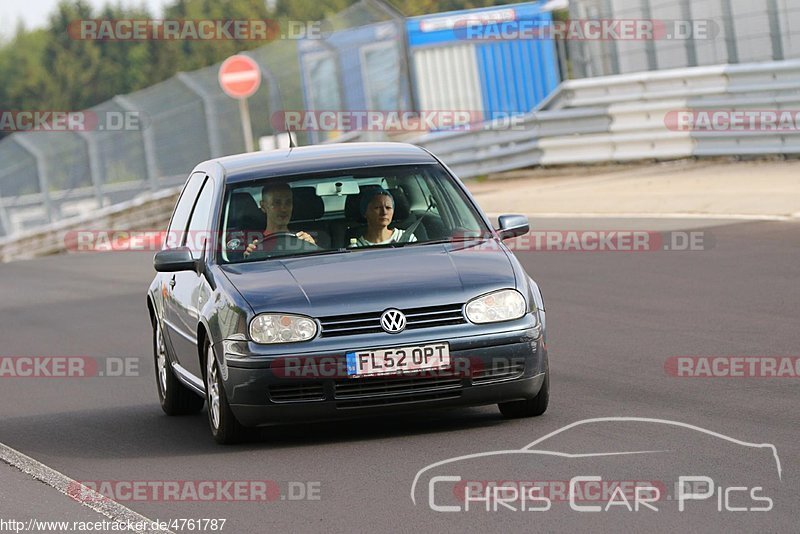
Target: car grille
[378,391]
[296,392]
[370,323]
[355,393]
[497,373]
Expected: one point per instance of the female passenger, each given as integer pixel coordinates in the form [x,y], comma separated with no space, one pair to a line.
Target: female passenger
[377,207]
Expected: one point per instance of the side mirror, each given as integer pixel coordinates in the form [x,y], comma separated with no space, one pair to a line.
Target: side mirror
[513,226]
[174,260]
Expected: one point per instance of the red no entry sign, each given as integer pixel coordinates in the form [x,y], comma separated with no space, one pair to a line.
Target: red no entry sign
[239,76]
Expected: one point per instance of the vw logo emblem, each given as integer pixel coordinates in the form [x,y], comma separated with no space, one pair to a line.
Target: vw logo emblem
[393,321]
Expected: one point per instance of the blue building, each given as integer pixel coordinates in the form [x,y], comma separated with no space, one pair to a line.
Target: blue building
[436,66]
[488,60]
[357,69]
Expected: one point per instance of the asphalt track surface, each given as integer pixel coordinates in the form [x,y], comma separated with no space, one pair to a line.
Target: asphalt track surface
[613,318]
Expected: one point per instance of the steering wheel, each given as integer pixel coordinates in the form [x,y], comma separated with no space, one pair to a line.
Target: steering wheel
[278,235]
[234,244]
[283,242]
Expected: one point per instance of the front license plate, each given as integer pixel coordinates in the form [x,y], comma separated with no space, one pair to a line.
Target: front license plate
[398,360]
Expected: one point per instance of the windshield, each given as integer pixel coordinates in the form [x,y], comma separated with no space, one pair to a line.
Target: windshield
[345,211]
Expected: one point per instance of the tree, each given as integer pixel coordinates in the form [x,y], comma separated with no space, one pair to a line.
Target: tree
[74,65]
[51,70]
[26,84]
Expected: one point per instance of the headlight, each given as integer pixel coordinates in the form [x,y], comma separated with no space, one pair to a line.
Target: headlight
[277,328]
[494,307]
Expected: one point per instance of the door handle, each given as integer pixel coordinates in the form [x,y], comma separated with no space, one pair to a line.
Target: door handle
[172,281]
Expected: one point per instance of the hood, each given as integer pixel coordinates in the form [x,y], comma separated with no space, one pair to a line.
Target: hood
[367,281]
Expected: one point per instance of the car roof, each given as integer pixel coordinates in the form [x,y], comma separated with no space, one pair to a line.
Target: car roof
[319,158]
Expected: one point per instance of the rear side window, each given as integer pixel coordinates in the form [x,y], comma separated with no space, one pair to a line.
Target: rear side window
[180,218]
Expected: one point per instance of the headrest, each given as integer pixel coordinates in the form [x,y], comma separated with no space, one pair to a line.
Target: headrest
[402,207]
[307,205]
[351,208]
[245,214]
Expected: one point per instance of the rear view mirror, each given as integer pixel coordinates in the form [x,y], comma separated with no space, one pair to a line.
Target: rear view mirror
[513,226]
[174,260]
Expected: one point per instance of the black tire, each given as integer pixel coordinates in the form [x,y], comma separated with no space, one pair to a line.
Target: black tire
[225,428]
[175,397]
[529,407]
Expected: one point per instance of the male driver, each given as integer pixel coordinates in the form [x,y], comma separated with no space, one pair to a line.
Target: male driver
[276,203]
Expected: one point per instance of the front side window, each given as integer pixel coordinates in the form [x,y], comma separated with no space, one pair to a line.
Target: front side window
[199,225]
[345,211]
[180,217]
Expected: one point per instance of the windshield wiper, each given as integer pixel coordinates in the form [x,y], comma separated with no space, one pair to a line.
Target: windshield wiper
[293,255]
[316,253]
[457,239]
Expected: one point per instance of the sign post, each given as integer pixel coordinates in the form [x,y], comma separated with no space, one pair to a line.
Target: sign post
[240,78]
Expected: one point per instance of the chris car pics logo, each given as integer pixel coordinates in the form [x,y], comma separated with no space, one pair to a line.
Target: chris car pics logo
[591,478]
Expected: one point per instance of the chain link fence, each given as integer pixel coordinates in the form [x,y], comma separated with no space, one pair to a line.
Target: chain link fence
[705,32]
[151,139]
[359,60]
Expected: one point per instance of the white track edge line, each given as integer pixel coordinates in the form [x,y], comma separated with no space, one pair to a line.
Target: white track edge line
[61,482]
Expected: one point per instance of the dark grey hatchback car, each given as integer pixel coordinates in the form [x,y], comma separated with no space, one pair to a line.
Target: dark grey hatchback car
[339,281]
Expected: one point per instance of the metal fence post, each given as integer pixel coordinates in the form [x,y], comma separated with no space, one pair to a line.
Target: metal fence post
[611,46]
[775,30]
[730,32]
[563,64]
[405,50]
[275,99]
[691,46]
[212,120]
[337,59]
[5,222]
[147,138]
[41,173]
[649,44]
[94,166]
[576,49]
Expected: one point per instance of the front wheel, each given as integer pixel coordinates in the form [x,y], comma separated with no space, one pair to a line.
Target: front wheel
[529,407]
[175,398]
[224,427]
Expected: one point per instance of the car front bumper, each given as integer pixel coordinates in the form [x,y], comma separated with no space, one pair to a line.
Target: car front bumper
[486,369]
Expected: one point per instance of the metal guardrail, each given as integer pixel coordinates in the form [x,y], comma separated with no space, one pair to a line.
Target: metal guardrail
[475,152]
[613,118]
[149,211]
[677,83]
[622,118]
